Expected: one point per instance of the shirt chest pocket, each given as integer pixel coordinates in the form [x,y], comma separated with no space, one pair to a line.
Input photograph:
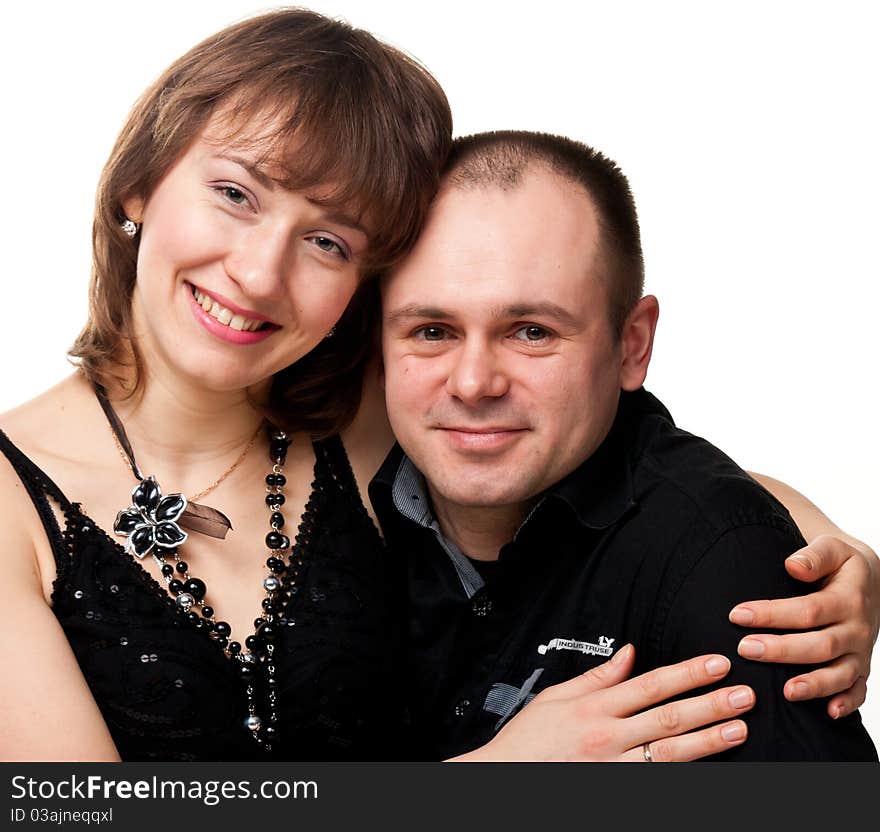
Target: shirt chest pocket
[558,664]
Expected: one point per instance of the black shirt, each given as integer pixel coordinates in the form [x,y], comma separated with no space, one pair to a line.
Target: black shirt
[651,541]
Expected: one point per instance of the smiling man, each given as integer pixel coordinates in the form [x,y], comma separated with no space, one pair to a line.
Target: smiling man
[564,514]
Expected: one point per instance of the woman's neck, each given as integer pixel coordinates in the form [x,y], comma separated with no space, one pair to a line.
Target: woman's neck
[183,434]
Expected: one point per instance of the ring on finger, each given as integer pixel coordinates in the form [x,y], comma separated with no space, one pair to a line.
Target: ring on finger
[646,750]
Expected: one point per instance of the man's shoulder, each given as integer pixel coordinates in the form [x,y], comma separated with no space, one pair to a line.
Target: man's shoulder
[687,476]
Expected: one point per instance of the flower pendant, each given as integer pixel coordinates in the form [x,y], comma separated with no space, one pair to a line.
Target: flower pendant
[151,520]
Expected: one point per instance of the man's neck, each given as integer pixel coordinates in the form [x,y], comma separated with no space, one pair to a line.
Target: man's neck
[479,531]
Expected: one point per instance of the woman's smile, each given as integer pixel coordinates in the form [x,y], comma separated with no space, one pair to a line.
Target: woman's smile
[227,321]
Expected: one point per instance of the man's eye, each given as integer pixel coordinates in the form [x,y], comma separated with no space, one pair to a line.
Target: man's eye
[430,333]
[531,333]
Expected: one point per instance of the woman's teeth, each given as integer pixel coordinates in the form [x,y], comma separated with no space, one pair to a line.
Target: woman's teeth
[222,314]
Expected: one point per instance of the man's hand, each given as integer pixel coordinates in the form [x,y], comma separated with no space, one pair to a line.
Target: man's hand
[842,620]
[601,716]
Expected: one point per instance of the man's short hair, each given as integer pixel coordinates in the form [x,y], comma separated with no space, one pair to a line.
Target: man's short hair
[500,158]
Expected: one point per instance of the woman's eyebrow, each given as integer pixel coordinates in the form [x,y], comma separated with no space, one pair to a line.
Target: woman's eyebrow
[331,214]
[251,167]
[338,217]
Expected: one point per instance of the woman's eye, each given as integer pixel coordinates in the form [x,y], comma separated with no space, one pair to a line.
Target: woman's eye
[234,195]
[330,245]
[531,333]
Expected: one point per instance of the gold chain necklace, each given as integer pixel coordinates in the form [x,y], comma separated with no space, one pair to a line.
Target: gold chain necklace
[219,479]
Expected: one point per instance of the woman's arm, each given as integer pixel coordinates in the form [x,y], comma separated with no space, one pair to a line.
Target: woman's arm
[48,712]
[842,618]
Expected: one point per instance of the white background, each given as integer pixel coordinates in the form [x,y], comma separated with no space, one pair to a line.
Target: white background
[748,130]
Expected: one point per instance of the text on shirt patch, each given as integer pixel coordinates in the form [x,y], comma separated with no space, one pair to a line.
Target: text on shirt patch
[603,648]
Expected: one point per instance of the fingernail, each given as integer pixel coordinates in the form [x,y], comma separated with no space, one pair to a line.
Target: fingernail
[740,698]
[621,654]
[742,615]
[798,690]
[717,666]
[836,712]
[751,648]
[803,561]
[734,731]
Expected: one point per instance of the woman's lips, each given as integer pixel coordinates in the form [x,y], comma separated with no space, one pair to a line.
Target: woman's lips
[225,332]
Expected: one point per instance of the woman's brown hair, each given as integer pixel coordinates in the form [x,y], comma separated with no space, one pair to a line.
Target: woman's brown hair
[346,112]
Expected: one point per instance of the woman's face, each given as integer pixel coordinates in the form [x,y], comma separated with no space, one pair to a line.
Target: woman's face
[237,277]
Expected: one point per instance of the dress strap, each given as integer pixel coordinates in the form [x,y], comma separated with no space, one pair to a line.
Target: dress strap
[40,488]
[333,460]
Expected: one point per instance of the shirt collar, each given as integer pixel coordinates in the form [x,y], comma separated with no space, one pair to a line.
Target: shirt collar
[599,491]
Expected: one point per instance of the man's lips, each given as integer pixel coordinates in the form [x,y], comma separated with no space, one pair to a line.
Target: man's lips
[489,429]
[489,438]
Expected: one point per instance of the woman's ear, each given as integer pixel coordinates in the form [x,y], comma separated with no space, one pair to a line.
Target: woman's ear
[134,208]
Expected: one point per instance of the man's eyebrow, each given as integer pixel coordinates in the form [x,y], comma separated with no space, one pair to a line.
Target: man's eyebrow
[544,309]
[414,310]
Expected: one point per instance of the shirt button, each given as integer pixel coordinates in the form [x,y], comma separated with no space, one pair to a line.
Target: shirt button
[482,606]
[461,708]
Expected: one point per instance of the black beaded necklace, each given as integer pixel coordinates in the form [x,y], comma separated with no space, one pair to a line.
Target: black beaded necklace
[152,525]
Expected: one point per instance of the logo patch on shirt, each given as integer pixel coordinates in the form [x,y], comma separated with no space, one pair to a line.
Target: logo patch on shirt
[603,648]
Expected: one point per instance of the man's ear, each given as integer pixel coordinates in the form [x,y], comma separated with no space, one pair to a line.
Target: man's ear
[637,340]
[134,208]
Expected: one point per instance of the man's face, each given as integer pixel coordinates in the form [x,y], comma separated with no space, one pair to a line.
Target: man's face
[502,373]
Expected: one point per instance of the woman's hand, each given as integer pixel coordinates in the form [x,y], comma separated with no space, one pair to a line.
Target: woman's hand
[601,716]
[841,620]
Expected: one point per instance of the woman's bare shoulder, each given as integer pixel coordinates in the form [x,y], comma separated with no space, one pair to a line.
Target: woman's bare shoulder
[37,429]
[32,422]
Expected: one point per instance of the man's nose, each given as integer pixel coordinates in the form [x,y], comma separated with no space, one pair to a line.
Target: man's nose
[476,374]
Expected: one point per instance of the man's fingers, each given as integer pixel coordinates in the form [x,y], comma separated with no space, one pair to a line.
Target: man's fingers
[801,613]
[692,746]
[849,700]
[812,647]
[837,677]
[605,675]
[658,685]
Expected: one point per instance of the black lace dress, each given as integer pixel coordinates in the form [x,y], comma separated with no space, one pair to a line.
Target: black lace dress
[168,692]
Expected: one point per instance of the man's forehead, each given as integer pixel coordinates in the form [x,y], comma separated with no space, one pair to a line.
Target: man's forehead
[543,229]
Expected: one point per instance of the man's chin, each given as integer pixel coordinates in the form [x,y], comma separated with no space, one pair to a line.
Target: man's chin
[497,494]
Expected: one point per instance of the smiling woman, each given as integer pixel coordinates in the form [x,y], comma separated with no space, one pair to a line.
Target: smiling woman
[255,263]
[254,192]
[229,137]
